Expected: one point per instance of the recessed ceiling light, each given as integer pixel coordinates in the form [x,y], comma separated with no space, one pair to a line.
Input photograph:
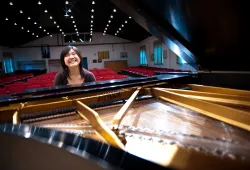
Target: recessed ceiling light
[73,22]
[91,28]
[126,22]
[92,16]
[74,25]
[40,27]
[11,3]
[114,10]
[69,10]
[51,35]
[62,32]
[93,2]
[21,11]
[44,30]
[66,2]
[106,28]
[90,34]
[28,17]
[91,21]
[104,31]
[111,16]
[91,31]
[50,17]
[48,33]
[129,17]
[33,34]
[45,11]
[35,23]
[122,25]
[103,34]
[28,30]
[15,23]
[76,29]
[39,3]
[6,19]
[115,34]
[57,26]
[92,10]
[71,16]
[119,28]
[64,35]
[60,29]
[107,25]
[77,32]
[37,36]
[54,22]
[22,28]
[91,25]
[109,21]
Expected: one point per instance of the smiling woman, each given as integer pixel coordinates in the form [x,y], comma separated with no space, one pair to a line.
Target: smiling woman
[72,73]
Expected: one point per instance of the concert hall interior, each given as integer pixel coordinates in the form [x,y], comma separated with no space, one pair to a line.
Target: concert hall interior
[160,85]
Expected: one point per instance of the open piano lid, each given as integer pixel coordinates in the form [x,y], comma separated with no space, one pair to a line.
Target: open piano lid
[211,35]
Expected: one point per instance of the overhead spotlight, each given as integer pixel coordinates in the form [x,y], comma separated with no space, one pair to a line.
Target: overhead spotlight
[22,28]
[111,16]
[15,23]
[39,3]
[114,10]
[66,2]
[21,11]
[50,17]
[66,14]
[6,19]
[50,35]
[126,22]
[104,31]
[57,26]
[129,17]
[44,30]
[35,23]
[60,29]
[62,32]
[109,21]
[74,25]
[91,25]
[11,3]
[90,34]
[45,11]
[93,2]
[106,28]
[77,32]
[37,36]
[33,33]
[91,28]
[76,29]
[73,22]
[115,34]
[92,10]
[28,30]
[120,29]
[91,21]
[107,25]
[64,35]
[40,27]
[71,16]
[92,16]
[28,17]
[103,34]
[69,10]
[122,25]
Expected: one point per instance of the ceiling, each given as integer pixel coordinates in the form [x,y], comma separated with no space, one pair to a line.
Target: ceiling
[34,15]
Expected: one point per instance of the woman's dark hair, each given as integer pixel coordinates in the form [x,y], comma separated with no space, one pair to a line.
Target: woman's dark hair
[64,52]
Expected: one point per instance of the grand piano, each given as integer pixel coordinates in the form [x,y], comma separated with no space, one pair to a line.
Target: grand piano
[198,120]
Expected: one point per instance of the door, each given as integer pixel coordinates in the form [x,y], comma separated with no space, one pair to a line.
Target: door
[85,62]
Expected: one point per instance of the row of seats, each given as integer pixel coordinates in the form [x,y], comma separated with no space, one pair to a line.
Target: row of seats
[103,74]
[149,71]
[13,78]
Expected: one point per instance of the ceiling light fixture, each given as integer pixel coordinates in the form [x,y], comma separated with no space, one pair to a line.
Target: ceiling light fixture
[33,33]
[50,17]
[35,23]
[28,17]
[126,22]
[111,16]
[129,17]
[39,3]
[73,22]
[54,22]
[91,25]
[93,2]
[71,16]
[66,2]
[37,36]
[45,11]
[92,16]
[57,26]
[92,10]
[48,33]
[6,19]
[51,35]
[122,25]
[28,30]
[114,10]
[109,21]
[107,25]
[11,3]
[40,27]
[74,25]
[22,28]
[91,21]
[60,29]
[15,23]
[76,29]
[44,30]
[115,34]
[21,11]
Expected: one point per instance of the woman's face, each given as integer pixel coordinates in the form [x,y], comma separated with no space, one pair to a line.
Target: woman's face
[72,59]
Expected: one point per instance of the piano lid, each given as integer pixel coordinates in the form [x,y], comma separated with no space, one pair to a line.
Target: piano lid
[211,35]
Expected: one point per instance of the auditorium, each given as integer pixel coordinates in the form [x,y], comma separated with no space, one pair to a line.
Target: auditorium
[124,84]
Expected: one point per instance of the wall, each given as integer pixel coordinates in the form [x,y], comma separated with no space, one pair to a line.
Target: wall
[170,62]
[113,44]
